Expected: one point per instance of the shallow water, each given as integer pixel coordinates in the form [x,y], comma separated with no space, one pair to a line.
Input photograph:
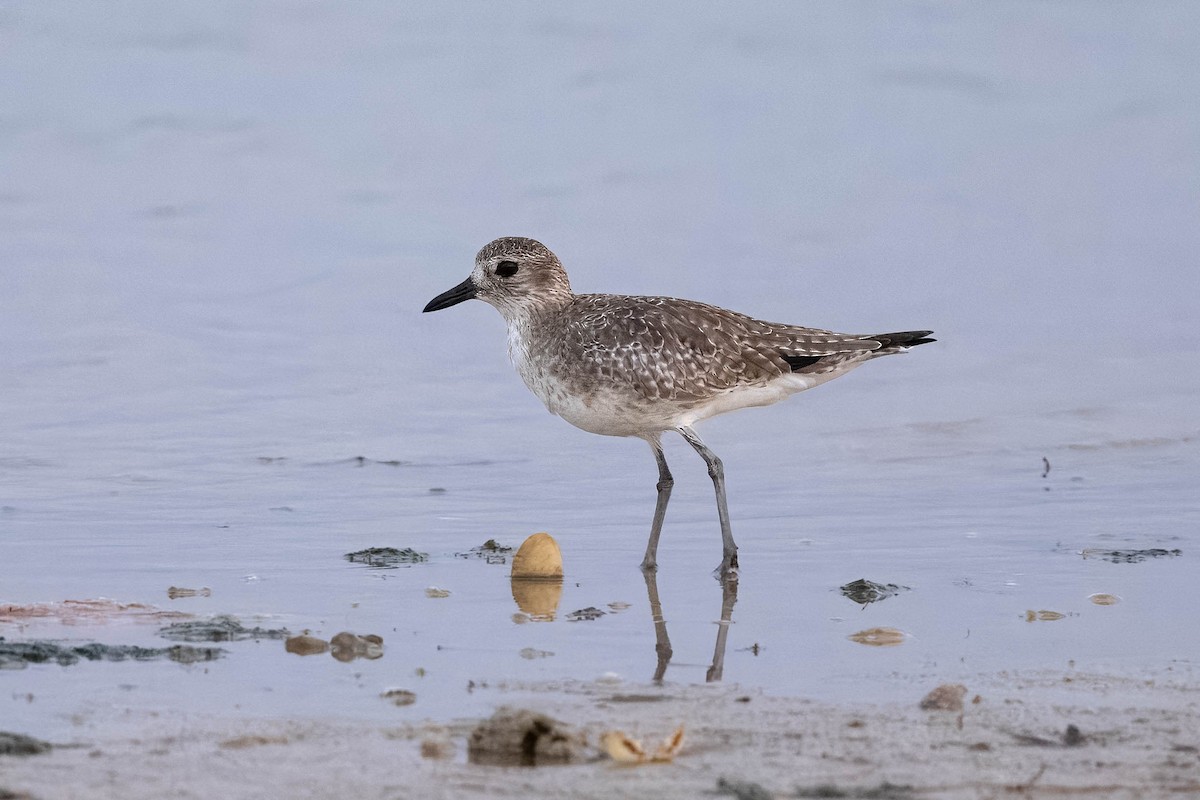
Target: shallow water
[218,226]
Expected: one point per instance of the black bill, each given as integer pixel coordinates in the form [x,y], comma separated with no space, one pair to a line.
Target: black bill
[452,297]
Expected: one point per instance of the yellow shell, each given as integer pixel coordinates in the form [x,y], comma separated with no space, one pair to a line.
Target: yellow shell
[622,749]
[538,557]
[626,750]
[670,746]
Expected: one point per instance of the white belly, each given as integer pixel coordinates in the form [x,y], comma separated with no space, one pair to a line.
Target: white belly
[595,407]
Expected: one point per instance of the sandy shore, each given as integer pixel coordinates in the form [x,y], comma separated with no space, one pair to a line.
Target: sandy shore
[1134,739]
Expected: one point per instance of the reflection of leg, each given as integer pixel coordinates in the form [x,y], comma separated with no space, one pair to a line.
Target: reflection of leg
[662,642]
[665,482]
[717,472]
[728,598]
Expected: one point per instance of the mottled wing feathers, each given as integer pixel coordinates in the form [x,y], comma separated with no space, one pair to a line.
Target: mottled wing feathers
[664,348]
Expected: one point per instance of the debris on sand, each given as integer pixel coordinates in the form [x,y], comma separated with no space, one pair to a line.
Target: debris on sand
[436,592]
[947,697]
[1104,599]
[865,592]
[18,744]
[1129,556]
[530,653]
[399,697]
[519,737]
[15,655]
[8,794]
[626,750]
[251,740]
[176,592]
[437,747]
[884,791]
[223,628]
[186,654]
[491,551]
[879,637]
[1071,737]
[585,614]
[386,557]
[743,790]
[347,646]
[86,612]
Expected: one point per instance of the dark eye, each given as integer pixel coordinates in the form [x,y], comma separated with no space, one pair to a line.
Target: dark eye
[506,269]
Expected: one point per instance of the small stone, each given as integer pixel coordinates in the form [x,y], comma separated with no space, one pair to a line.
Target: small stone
[346,646]
[1072,737]
[306,645]
[947,697]
[437,747]
[400,697]
[519,737]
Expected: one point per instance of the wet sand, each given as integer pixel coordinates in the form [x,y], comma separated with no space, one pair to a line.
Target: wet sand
[1131,739]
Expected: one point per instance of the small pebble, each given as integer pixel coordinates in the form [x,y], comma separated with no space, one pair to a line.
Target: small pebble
[947,697]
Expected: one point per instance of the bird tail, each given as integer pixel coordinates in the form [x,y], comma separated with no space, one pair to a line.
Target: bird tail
[901,341]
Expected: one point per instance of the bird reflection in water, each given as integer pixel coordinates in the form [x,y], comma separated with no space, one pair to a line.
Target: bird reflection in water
[662,640]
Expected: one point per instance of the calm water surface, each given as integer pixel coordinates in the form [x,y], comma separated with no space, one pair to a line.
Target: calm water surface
[218,225]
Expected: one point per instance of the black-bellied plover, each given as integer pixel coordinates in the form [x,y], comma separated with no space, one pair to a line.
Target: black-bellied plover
[638,366]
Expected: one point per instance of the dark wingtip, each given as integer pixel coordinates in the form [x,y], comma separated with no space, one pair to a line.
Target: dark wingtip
[904,339]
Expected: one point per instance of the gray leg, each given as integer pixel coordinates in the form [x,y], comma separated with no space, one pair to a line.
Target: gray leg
[729,560]
[665,482]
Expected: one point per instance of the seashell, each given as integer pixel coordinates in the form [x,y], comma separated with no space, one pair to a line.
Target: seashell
[623,749]
[670,746]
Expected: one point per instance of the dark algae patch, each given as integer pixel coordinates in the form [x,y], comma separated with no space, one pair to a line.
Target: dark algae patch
[1131,556]
[15,655]
[585,614]
[743,790]
[491,551]
[386,557]
[18,744]
[218,629]
[864,592]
